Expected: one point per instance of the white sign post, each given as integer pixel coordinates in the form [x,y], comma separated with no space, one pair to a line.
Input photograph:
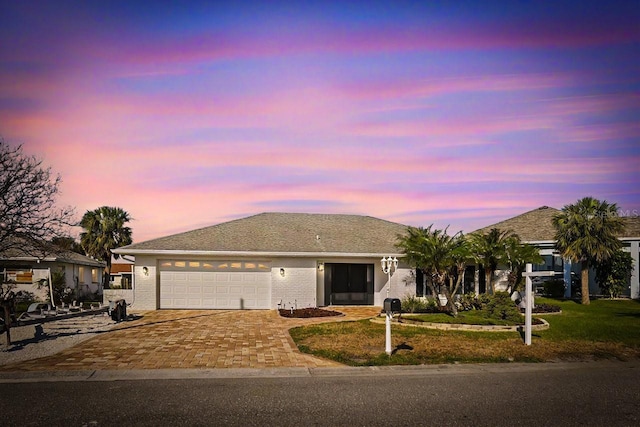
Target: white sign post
[529,299]
[388,264]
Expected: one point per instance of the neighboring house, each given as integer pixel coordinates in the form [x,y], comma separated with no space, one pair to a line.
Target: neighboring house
[536,228]
[121,280]
[22,267]
[121,274]
[269,261]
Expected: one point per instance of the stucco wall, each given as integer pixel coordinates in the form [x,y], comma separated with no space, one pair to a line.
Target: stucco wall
[145,292]
[298,286]
[301,286]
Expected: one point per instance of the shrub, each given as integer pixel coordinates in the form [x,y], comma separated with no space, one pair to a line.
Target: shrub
[411,304]
[468,302]
[554,288]
[474,302]
[500,306]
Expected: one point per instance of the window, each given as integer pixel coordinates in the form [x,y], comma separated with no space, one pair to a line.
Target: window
[94,275]
[20,275]
[215,265]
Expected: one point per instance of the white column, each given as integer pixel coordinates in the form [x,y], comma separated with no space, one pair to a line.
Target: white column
[387,347]
[476,280]
[566,269]
[529,304]
[635,282]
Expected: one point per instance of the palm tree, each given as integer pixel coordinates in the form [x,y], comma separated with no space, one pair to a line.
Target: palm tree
[461,256]
[586,232]
[489,250]
[435,253]
[518,255]
[104,230]
[415,245]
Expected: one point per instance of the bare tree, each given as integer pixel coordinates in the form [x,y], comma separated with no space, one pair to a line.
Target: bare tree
[29,216]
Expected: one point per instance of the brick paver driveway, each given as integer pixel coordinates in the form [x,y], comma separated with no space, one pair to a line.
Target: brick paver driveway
[167,339]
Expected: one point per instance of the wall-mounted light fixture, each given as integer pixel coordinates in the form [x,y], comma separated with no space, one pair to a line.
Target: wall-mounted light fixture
[321,266]
[145,271]
[282,272]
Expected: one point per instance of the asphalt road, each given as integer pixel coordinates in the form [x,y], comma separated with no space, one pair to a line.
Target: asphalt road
[594,393]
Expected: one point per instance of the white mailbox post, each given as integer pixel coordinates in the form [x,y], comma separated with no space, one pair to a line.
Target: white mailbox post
[389,265]
[529,298]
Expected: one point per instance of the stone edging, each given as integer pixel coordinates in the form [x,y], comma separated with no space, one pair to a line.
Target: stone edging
[462,327]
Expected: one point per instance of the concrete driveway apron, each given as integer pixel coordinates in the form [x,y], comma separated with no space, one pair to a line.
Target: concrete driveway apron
[168,339]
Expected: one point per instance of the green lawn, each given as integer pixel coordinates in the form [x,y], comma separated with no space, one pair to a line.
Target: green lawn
[604,329]
[602,320]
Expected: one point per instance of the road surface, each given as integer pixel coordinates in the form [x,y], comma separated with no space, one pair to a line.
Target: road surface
[592,393]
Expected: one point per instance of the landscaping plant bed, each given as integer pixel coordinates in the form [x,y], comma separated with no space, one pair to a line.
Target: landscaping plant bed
[544,308]
[302,313]
[464,318]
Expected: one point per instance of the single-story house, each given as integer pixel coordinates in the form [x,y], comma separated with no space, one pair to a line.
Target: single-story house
[536,228]
[24,268]
[270,261]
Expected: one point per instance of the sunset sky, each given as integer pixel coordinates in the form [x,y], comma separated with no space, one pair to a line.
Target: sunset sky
[452,113]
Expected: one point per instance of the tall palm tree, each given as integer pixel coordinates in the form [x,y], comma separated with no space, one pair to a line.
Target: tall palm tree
[586,232]
[434,252]
[490,250]
[104,230]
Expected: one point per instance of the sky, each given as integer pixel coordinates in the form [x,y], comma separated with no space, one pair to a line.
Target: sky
[461,114]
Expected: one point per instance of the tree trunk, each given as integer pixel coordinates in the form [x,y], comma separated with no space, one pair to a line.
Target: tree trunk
[450,303]
[488,273]
[584,278]
[6,311]
[106,275]
[431,286]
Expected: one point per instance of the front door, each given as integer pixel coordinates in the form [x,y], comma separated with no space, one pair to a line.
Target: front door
[348,284]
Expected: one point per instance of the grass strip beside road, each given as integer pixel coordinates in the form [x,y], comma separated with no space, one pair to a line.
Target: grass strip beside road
[602,330]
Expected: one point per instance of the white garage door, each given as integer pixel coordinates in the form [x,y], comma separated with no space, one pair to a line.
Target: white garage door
[215,285]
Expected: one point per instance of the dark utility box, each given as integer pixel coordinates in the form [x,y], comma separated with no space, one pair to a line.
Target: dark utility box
[392,305]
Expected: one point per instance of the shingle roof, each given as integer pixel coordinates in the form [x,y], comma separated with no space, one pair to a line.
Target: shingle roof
[48,253]
[632,226]
[537,225]
[285,233]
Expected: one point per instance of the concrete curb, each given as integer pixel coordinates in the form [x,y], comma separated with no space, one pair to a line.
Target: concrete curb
[239,373]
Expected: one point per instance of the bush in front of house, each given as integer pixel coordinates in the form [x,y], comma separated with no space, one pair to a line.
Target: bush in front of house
[501,306]
[411,304]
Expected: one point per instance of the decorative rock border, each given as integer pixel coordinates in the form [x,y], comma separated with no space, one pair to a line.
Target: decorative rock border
[462,327]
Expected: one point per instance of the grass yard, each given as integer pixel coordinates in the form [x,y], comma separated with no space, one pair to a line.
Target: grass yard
[605,329]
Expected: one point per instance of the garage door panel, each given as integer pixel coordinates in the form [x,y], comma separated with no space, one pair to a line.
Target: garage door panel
[194,277]
[215,290]
[235,290]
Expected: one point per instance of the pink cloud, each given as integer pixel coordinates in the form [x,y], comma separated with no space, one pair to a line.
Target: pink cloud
[215,45]
[410,88]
